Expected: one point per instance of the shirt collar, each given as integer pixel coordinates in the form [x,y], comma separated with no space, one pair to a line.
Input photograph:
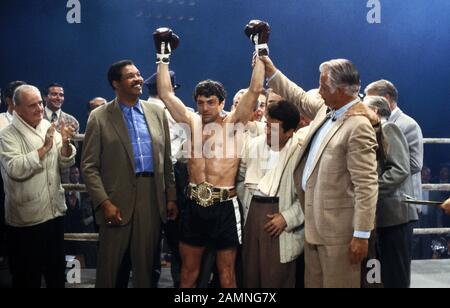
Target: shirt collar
[341,111]
[137,107]
[49,113]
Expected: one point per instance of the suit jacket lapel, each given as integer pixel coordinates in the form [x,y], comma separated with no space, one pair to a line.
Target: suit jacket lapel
[152,124]
[118,122]
[326,140]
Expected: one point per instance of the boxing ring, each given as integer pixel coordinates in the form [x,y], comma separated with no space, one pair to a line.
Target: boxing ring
[92,237]
[424,273]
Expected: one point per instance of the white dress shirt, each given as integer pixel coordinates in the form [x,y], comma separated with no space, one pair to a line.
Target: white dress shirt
[49,114]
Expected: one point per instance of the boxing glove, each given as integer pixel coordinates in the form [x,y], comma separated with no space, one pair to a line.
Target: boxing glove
[165,42]
[259,32]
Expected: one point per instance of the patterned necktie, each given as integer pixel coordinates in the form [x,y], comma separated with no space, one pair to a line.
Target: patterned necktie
[54,117]
[331,114]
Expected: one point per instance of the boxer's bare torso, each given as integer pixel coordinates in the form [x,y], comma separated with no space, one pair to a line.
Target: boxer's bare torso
[219,161]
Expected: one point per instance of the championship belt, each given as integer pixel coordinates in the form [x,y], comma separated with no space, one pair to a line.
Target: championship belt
[205,194]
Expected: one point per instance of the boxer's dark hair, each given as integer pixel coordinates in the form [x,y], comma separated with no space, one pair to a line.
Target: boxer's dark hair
[115,71]
[285,112]
[210,88]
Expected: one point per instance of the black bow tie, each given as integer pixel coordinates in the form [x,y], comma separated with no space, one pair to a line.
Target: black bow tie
[331,114]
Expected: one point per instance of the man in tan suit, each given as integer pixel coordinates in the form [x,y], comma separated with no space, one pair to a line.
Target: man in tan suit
[336,175]
[128,172]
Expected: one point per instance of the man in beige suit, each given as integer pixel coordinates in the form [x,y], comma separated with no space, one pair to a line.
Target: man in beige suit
[128,172]
[336,175]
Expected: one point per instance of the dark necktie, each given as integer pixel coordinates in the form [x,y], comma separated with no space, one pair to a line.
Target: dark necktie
[54,117]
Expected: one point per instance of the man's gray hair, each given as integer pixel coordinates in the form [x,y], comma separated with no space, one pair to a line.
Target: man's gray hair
[342,74]
[17,98]
[382,105]
[383,88]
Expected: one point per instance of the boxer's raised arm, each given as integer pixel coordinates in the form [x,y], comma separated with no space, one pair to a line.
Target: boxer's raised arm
[165,42]
[244,110]
[258,32]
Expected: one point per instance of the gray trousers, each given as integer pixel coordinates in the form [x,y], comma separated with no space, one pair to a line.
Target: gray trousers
[131,246]
[261,252]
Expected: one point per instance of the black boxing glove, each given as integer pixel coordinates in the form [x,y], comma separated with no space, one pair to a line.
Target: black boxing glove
[165,42]
[259,32]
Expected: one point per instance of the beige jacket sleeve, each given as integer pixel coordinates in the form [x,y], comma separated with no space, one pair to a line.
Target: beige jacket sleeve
[308,104]
[293,216]
[362,166]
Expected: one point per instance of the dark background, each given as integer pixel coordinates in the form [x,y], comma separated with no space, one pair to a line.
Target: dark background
[410,47]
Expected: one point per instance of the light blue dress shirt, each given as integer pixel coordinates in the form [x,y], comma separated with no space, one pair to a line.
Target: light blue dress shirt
[141,139]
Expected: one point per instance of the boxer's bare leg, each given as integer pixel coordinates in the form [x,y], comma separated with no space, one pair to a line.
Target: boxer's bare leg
[226,266]
[191,258]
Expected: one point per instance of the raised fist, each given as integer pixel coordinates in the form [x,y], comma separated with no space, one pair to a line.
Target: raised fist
[165,41]
[259,32]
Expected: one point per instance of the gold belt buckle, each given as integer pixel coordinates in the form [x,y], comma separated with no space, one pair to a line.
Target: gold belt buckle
[205,194]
